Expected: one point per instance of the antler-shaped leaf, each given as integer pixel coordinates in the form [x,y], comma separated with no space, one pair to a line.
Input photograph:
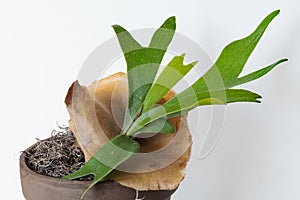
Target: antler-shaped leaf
[217,81]
[171,75]
[142,64]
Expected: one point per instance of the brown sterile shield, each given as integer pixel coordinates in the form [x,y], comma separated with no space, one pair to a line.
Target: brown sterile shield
[96,115]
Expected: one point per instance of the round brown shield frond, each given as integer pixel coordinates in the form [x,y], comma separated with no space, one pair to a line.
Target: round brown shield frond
[90,110]
[97,113]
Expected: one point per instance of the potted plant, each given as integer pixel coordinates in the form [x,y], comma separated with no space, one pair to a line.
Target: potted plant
[128,135]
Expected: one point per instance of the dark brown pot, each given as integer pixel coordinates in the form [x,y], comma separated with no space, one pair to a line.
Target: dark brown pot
[40,187]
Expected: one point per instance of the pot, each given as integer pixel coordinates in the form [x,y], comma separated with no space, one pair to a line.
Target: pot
[40,187]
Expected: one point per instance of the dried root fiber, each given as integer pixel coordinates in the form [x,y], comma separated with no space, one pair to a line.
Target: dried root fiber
[56,156]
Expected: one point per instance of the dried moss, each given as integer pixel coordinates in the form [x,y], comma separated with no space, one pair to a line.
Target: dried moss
[56,156]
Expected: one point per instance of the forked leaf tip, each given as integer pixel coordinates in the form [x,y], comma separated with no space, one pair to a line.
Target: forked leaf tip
[171,19]
[257,99]
[273,14]
[194,63]
[118,29]
[182,58]
[170,23]
[276,12]
[282,61]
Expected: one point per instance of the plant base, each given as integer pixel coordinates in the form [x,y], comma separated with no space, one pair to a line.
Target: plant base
[37,187]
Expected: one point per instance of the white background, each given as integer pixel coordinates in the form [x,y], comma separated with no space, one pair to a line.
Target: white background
[44,43]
